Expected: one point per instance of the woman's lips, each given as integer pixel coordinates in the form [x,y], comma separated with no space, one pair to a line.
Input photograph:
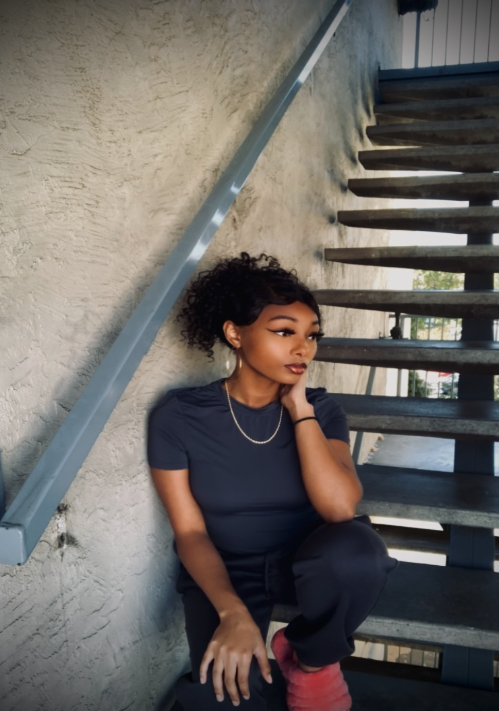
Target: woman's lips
[297,368]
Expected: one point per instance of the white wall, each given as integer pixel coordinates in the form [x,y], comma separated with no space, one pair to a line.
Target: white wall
[117,117]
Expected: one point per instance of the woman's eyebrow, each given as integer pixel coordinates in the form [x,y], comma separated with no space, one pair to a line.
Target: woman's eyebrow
[289,318]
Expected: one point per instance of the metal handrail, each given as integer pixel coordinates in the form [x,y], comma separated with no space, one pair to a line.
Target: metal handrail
[29,514]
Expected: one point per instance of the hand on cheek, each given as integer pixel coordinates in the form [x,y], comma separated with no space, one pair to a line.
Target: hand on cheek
[293,397]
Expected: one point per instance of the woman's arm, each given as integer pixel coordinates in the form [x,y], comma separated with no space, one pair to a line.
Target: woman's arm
[327,467]
[238,637]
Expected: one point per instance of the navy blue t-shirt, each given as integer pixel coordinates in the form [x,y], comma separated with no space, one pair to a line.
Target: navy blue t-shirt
[252,495]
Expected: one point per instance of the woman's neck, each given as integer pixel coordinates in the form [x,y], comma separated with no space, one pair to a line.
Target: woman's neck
[252,391]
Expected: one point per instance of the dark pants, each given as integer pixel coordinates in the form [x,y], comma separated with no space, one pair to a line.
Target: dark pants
[334,577]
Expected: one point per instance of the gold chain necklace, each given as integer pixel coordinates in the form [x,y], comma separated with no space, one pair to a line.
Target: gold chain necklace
[255,441]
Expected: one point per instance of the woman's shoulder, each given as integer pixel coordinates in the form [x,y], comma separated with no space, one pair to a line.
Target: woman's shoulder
[323,401]
[178,399]
[329,412]
[317,394]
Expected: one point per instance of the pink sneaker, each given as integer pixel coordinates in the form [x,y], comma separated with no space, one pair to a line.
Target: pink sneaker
[324,690]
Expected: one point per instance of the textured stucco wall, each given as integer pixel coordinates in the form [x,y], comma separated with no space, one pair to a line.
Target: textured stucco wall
[117,117]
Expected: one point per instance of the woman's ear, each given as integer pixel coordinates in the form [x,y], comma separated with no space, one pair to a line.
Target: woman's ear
[232,334]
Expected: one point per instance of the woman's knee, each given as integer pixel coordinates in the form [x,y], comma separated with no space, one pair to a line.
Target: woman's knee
[350,551]
[196,696]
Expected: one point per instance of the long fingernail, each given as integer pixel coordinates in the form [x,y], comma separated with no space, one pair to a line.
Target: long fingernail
[269,679]
[220,697]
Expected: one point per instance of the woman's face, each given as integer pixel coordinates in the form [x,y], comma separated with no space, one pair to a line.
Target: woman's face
[280,344]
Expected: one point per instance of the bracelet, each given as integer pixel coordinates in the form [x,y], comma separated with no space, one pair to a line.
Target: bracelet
[305,418]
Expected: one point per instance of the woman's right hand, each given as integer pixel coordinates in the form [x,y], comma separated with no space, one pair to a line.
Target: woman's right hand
[234,642]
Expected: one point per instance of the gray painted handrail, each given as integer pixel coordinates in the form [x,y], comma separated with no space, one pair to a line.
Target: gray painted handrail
[29,514]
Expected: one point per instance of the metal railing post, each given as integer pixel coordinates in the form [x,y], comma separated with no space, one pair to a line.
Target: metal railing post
[360,435]
[418,33]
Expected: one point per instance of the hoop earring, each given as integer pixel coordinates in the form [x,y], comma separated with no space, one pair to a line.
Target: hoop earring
[229,365]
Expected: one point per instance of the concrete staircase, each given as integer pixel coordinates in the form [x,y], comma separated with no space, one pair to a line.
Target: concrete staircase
[451,124]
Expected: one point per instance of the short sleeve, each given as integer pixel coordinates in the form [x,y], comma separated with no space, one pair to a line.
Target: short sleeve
[331,415]
[165,441]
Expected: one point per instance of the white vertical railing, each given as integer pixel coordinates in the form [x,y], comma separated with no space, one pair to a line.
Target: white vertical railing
[456,32]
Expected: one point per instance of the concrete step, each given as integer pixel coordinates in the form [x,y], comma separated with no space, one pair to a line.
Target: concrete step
[432,604]
[438,110]
[432,88]
[421,540]
[446,133]
[372,692]
[463,159]
[482,259]
[421,416]
[380,691]
[431,302]
[472,186]
[461,499]
[460,220]
[437,356]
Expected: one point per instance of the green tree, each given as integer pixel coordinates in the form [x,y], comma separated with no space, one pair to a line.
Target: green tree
[416,386]
[420,327]
[437,280]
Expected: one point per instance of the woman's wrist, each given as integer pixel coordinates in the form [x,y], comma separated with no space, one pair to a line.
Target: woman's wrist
[299,411]
[236,609]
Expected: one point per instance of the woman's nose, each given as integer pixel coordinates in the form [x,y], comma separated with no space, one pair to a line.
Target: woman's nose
[300,347]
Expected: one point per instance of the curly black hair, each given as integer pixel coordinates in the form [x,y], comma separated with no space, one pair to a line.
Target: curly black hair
[237,290]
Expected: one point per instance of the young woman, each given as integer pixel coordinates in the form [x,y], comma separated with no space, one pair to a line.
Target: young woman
[257,479]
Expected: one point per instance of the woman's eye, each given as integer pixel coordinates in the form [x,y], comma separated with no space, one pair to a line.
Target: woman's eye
[316,336]
[285,332]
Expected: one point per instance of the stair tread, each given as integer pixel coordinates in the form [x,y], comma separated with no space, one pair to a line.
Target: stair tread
[459,220]
[439,87]
[482,259]
[461,499]
[484,186]
[430,603]
[477,107]
[463,419]
[468,159]
[430,302]
[457,132]
[439,356]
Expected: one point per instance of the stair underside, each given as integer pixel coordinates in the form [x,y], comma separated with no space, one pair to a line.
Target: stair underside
[465,159]
[482,259]
[457,133]
[461,87]
[458,220]
[461,499]
[419,416]
[438,356]
[379,692]
[452,304]
[443,605]
[438,110]
[373,692]
[474,186]
[418,539]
